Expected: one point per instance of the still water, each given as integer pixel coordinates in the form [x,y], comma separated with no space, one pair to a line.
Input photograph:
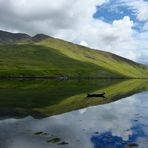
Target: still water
[70,119]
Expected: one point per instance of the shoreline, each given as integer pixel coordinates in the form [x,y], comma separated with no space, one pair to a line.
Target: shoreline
[63,78]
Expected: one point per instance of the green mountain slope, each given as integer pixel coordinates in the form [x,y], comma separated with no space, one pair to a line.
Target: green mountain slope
[104,60]
[45,56]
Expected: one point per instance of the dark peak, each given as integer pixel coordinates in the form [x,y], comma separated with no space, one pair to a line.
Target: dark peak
[8,37]
[5,32]
[13,34]
[21,35]
[40,37]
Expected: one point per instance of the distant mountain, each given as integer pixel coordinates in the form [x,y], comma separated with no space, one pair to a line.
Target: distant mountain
[7,37]
[42,55]
[40,37]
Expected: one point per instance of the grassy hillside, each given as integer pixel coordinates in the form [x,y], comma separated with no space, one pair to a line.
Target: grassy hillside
[105,60]
[54,57]
[37,60]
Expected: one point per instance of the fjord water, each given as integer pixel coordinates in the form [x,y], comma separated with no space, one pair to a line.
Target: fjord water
[52,113]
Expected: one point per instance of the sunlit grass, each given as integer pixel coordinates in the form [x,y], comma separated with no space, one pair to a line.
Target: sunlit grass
[54,57]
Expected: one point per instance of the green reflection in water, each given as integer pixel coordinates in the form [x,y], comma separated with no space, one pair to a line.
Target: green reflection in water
[49,97]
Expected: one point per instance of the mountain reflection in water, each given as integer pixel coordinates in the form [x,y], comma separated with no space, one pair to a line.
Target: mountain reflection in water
[118,122]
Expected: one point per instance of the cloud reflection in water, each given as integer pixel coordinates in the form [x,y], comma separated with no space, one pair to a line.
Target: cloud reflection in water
[115,124]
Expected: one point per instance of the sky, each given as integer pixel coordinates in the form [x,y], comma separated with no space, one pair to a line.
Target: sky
[117,26]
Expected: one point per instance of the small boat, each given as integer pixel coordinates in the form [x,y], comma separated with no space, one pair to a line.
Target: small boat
[96,95]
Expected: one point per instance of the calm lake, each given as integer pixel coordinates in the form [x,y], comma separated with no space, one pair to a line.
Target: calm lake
[58,114]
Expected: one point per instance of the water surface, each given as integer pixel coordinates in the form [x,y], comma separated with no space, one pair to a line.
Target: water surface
[53,114]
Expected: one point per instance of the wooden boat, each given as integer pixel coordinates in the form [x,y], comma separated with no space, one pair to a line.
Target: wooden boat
[96,95]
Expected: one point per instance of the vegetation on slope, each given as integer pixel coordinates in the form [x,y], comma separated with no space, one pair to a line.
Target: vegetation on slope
[37,60]
[41,55]
[105,60]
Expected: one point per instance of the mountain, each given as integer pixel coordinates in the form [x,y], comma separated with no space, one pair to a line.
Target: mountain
[7,37]
[42,55]
[40,37]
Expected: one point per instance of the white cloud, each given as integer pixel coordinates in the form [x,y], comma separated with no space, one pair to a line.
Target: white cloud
[140,7]
[145,27]
[73,21]
[83,43]
[46,16]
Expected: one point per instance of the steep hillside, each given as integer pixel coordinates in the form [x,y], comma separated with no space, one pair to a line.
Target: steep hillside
[42,55]
[105,60]
[37,60]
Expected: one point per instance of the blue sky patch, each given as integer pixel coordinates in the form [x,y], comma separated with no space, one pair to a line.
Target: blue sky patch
[114,10]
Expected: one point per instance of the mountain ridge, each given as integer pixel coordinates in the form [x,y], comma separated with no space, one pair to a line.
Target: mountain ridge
[8,37]
[42,55]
